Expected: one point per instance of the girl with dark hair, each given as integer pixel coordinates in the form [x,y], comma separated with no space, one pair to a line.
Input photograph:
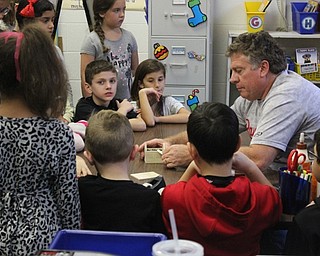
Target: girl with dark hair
[148,88]
[42,13]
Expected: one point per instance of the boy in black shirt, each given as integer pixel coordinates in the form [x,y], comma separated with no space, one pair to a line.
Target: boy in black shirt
[110,201]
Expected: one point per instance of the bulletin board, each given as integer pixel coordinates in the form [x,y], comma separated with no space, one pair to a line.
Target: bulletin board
[135,5]
[72,4]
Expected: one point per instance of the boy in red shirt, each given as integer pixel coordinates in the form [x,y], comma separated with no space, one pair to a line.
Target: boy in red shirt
[225,213]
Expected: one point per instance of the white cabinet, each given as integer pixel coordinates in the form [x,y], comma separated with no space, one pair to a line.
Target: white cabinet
[180,36]
[288,41]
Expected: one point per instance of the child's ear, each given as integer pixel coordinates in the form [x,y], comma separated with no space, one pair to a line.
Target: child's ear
[89,156]
[88,87]
[239,143]
[192,150]
[134,151]
[141,86]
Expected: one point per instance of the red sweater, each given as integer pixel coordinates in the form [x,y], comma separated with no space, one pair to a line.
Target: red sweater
[225,221]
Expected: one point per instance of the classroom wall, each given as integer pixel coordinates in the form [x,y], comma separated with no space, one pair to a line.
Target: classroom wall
[228,15]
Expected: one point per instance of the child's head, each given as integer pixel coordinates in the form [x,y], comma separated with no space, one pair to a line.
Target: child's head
[100,7]
[316,161]
[7,14]
[109,13]
[109,137]
[30,69]
[101,80]
[40,12]
[150,73]
[213,129]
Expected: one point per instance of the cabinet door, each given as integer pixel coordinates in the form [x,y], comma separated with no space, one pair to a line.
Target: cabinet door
[176,18]
[184,59]
[189,96]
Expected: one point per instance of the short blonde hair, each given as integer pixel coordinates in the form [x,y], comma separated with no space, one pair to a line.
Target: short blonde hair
[109,137]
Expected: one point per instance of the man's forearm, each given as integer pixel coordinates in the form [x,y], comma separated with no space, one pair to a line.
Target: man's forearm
[262,155]
[180,138]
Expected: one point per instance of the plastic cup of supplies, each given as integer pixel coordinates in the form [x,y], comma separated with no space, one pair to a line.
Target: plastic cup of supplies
[179,247]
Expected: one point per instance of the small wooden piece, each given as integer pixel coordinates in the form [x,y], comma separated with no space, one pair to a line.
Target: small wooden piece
[152,155]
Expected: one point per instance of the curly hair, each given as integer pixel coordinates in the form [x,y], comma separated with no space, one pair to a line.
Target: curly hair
[258,47]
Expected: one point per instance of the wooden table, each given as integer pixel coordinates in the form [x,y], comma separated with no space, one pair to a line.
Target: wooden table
[170,175]
[158,131]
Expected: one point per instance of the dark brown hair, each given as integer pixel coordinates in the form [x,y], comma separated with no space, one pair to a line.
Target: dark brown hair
[40,7]
[96,67]
[144,68]
[43,83]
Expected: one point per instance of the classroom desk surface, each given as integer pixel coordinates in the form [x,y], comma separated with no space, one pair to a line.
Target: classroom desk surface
[158,131]
[171,175]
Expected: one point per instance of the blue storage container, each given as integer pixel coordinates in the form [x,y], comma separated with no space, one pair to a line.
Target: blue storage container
[303,22]
[118,243]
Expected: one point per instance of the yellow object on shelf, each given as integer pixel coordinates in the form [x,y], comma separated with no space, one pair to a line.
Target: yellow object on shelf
[255,19]
[315,76]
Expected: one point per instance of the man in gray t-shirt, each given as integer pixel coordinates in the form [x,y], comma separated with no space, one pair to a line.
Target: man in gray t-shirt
[274,106]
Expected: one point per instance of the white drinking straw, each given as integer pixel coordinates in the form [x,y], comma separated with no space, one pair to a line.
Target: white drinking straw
[174,231]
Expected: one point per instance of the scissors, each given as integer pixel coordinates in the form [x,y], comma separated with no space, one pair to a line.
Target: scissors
[293,160]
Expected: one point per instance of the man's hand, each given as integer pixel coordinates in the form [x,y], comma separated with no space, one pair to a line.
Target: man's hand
[176,155]
[154,143]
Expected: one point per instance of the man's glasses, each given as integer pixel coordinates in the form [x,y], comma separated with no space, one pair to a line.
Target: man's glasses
[314,155]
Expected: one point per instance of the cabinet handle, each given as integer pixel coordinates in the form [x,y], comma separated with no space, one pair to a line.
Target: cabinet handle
[173,14]
[178,65]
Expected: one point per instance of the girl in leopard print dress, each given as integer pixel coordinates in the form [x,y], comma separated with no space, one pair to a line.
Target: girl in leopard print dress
[38,186]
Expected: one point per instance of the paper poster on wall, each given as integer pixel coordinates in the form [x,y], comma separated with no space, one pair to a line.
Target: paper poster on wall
[135,5]
[72,4]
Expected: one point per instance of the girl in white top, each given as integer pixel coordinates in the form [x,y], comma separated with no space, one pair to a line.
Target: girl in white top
[147,89]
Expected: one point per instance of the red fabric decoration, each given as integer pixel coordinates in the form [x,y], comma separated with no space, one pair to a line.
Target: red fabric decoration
[28,11]
[19,36]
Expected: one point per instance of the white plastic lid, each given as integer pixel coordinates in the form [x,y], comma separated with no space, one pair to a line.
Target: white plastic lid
[183,248]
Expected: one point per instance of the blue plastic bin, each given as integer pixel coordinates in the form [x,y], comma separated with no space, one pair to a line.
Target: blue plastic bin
[294,192]
[118,243]
[303,22]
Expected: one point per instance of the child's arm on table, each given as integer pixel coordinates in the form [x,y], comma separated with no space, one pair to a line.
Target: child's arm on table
[137,124]
[180,118]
